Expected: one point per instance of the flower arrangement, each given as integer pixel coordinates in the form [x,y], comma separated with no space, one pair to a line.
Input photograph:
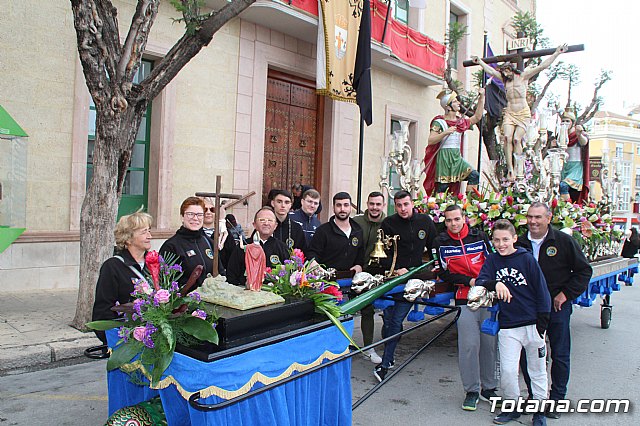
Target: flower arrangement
[590,224]
[160,316]
[304,279]
[300,278]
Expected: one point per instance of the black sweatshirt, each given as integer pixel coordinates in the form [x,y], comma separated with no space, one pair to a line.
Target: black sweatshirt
[275,251]
[332,248]
[115,284]
[416,233]
[193,248]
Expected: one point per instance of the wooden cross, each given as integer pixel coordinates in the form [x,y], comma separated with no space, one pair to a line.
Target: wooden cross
[519,56]
[217,196]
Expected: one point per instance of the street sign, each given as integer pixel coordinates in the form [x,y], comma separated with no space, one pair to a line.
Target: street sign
[519,43]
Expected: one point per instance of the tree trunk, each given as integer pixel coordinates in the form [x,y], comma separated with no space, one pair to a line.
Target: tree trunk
[112,150]
[109,68]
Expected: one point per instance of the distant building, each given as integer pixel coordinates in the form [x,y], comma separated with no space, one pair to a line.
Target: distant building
[619,137]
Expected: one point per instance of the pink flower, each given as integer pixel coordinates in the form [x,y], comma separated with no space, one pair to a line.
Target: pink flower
[142,287]
[298,253]
[295,278]
[199,313]
[162,296]
[140,333]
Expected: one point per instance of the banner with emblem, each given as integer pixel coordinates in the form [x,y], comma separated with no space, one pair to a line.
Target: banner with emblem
[339,21]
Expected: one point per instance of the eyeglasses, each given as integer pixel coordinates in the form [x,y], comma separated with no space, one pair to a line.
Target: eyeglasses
[210,209]
[265,220]
[191,215]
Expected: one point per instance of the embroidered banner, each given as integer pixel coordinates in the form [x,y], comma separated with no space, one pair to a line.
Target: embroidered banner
[339,21]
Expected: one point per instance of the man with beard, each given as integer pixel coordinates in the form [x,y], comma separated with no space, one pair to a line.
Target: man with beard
[517,114]
[416,233]
[287,231]
[370,222]
[338,243]
[445,144]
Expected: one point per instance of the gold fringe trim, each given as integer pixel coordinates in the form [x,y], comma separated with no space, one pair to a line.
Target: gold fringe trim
[454,179]
[228,394]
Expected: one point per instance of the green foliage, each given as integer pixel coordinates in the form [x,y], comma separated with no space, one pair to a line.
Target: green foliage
[191,14]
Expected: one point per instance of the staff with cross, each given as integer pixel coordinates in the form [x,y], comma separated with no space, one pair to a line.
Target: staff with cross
[517,114]
[217,196]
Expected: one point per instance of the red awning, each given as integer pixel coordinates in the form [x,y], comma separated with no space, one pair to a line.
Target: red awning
[619,220]
[635,221]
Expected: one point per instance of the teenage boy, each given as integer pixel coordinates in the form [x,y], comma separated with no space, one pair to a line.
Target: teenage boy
[462,251]
[306,216]
[287,231]
[525,305]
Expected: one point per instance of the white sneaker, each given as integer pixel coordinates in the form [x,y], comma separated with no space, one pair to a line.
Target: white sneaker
[372,356]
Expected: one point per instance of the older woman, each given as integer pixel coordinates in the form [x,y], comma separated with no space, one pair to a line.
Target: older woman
[117,274]
[190,243]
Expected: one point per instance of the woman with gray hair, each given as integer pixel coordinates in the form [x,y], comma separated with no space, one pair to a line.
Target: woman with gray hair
[119,273]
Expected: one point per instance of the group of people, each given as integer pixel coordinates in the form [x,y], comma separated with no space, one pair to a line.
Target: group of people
[535,277]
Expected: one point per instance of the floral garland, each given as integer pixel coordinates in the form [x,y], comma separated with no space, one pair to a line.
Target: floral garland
[590,224]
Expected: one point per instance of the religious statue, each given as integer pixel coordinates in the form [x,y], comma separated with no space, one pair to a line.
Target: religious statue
[443,160]
[516,115]
[575,174]
[255,261]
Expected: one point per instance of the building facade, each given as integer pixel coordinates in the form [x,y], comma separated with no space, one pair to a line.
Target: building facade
[244,108]
[615,145]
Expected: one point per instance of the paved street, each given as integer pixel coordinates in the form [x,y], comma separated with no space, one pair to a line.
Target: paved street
[605,364]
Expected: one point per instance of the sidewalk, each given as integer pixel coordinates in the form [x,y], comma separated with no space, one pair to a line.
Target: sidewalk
[35,330]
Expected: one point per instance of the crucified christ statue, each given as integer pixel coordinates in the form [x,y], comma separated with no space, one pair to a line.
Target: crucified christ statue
[517,113]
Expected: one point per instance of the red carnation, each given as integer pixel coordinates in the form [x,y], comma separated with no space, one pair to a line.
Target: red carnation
[460,196]
[483,216]
[152,260]
[333,291]
[509,200]
[554,203]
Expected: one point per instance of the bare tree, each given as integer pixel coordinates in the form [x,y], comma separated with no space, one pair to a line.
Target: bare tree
[109,68]
[596,101]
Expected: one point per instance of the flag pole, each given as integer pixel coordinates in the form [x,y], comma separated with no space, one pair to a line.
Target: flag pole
[482,120]
[360,156]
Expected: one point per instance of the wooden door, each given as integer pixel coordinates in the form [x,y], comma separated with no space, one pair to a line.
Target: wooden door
[291,148]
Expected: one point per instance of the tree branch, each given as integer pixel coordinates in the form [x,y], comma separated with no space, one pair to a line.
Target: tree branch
[96,27]
[543,92]
[141,22]
[187,47]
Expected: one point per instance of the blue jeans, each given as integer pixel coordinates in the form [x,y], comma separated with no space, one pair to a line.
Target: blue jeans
[392,324]
[559,333]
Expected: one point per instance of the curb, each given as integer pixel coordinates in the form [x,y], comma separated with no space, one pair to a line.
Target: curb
[41,354]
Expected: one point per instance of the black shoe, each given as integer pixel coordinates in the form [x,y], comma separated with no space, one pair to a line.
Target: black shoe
[487,394]
[504,418]
[392,363]
[471,401]
[380,372]
[548,413]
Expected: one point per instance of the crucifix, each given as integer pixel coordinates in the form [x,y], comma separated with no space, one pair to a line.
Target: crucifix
[517,115]
[217,196]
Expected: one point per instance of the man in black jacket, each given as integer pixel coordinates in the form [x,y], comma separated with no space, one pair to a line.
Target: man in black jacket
[568,273]
[417,233]
[287,231]
[339,243]
[275,250]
